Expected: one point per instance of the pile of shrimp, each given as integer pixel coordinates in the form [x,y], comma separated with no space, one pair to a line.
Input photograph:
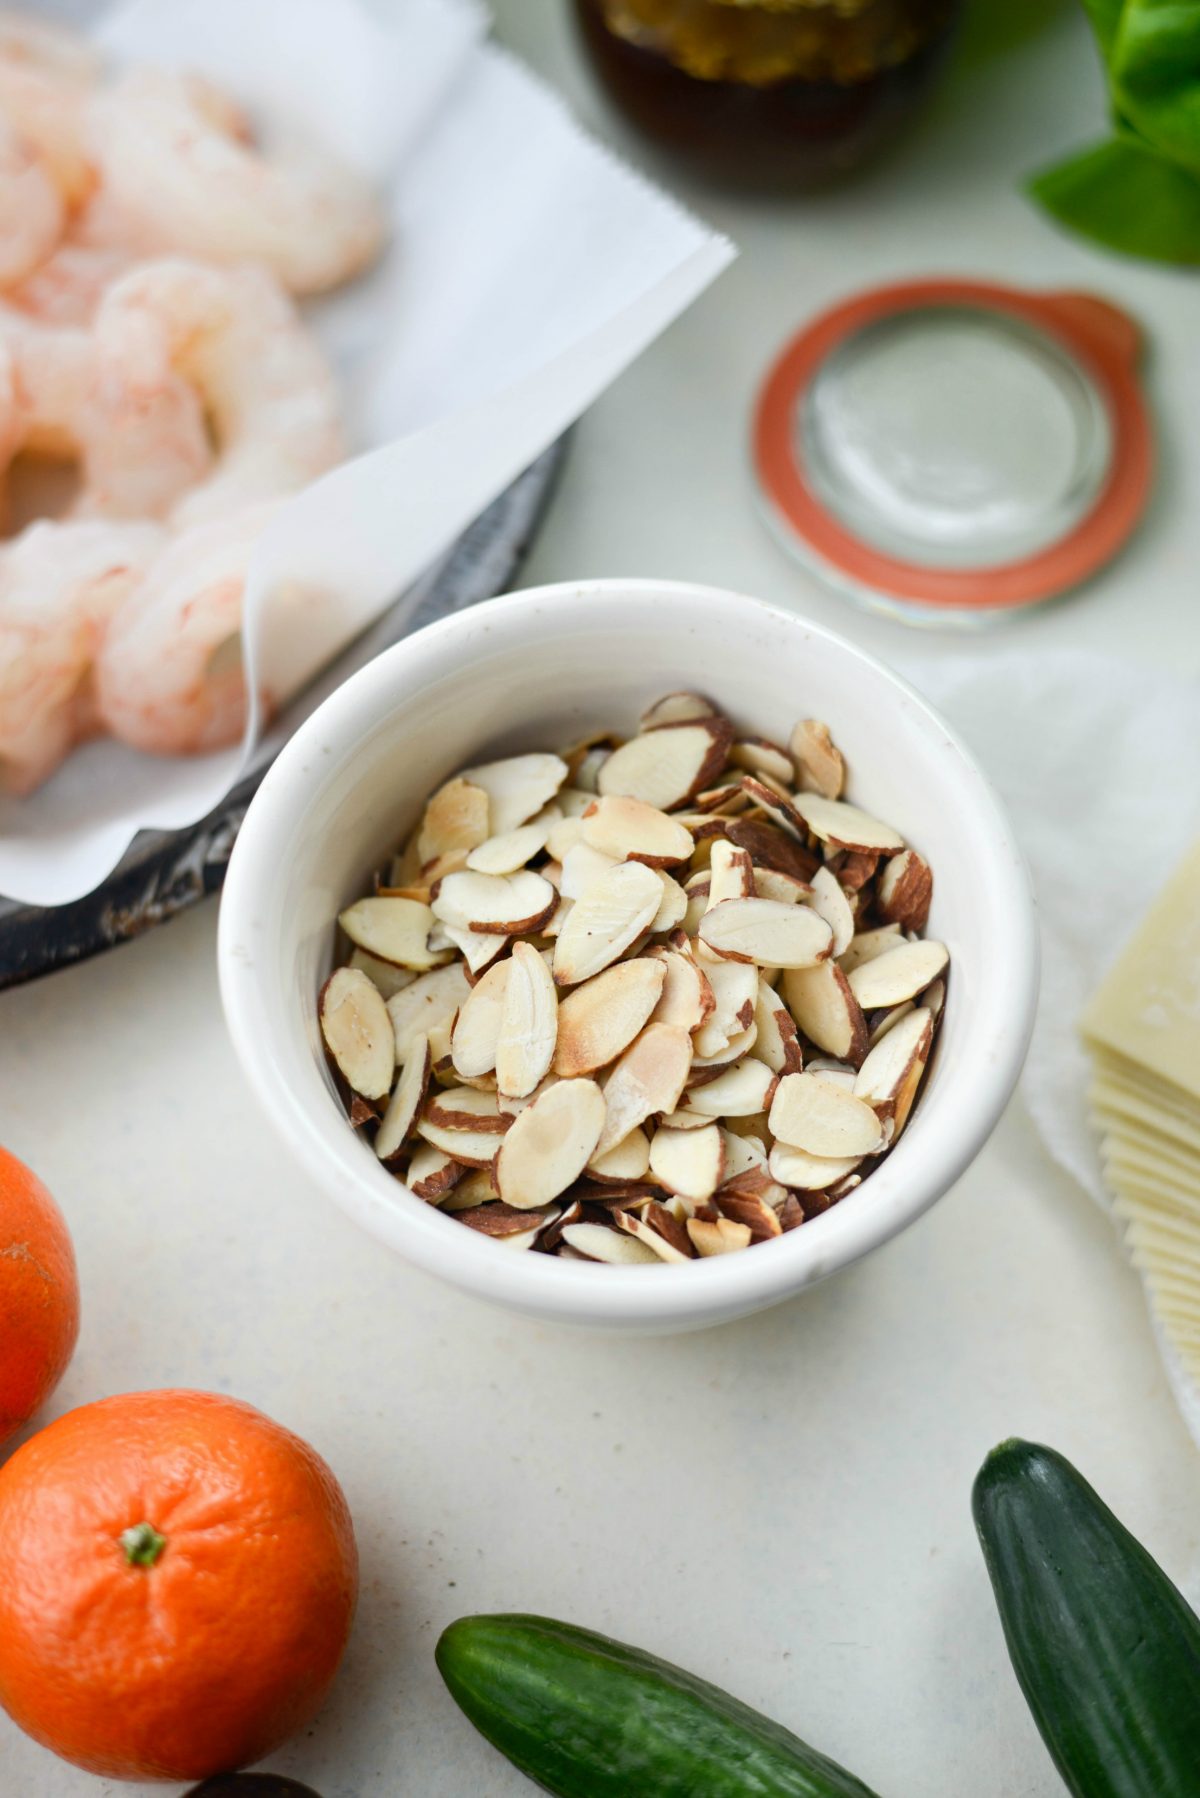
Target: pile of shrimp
[149,338]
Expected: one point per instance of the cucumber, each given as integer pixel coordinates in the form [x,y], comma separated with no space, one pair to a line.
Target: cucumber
[1106,1649]
[589,1718]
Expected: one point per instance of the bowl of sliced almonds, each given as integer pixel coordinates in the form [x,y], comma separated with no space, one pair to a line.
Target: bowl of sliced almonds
[630,953]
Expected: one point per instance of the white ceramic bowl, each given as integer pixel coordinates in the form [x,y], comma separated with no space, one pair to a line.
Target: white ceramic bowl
[538,669]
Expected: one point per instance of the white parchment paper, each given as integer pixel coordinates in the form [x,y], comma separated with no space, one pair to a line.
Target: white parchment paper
[526,268]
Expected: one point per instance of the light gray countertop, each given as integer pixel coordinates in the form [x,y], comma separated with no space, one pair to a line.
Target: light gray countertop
[782,1505]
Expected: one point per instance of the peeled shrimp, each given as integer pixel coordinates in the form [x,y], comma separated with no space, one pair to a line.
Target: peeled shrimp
[235,336]
[68,286]
[46,77]
[169,672]
[59,586]
[31,209]
[178,163]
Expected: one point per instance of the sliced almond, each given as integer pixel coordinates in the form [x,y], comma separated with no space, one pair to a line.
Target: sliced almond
[758,755]
[606,921]
[528,1026]
[432,1174]
[890,1075]
[508,853]
[600,1018]
[572,802]
[687,995]
[826,1010]
[517,787]
[725,798]
[630,830]
[819,765]
[777,1042]
[358,1032]
[766,933]
[383,974]
[845,826]
[834,1073]
[867,944]
[743,1155]
[705,1068]
[883,1021]
[829,902]
[456,818]
[719,1238]
[742,1091]
[395,930]
[777,805]
[734,986]
[808,1113]
[473,1187]
[769,847]
[553,927]
[791,1214]
[405,1102]
[477,1027]
[900,974]
[673,906]
[934,997]
[649,1078]
[855,867]
[688,1162]
[564,835]
[504,904]
[905,890]
[664,1243]
[550,1143]
[683,1119]
[629,1160]
[665,766]
[439,1049]
[807,1173]
[506,1223]
[769,883]
[476,1148]
[676,708]
[753,1212]
[480,949]
[466,1108]
[730,873]
[597,1242]
[582,866]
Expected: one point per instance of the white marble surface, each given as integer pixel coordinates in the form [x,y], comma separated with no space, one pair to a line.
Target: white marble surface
[782,1504]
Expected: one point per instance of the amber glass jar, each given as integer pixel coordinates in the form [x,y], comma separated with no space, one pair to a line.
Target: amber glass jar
[772,92]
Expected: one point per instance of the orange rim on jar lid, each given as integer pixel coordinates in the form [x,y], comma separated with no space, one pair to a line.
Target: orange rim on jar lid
[956,446]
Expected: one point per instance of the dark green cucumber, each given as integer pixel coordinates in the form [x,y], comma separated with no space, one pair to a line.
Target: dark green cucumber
[590,1718]
[1106,1649]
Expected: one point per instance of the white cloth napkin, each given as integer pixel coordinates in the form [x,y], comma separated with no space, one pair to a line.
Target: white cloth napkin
[1098,762]
[526,268]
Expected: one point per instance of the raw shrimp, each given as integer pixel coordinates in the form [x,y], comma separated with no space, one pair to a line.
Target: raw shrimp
[59,586]
[169,672]
[174,158]
[46,77]
[236,337]
[31,209]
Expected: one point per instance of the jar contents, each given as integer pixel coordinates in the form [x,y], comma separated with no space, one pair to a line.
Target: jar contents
[771,92]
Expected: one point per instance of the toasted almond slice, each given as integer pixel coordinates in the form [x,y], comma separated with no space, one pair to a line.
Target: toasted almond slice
[719,1238]
[734,986]
[889,1077]
[477,1148]
[900,974]
[845,826]
[689,1162]
[808,1113]
[358,1032]
[683,1119]
[597,1242]
[758,755]
[867,944]
[550,1143]
[648,1078]
[473,1187]
[758,1216]
[705,1068]
[480,949]
[567,832]
[742,1091]
[583,865]
[383,974]
[439,1048]
[834,1073]
[477,1027]
[506,1223]
[666,1248]
[395,930]
[665,766]
[517,787]
[629,1160]
[687,995]
[431,1000]
[508,853]
[718,799]
[855,868]
[777,1042]
[766,933]
[826,1010]
[466,1108]
[743,1155]
[456,818]
[405,1102]
[495,904]
[613,913]
[905,890]
[777,805]
[730,873]
[673,907]
[630,830]
[778,849]
[807,1173]
[600,1018]
[676,708]
[769,883]
[883,1021]
[829,902]
[819,765]
[528,1025]
[432,1175]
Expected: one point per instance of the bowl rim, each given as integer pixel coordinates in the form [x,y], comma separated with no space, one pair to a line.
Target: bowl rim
[333,1154]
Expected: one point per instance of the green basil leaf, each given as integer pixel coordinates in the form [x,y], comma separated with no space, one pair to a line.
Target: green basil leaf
[1153,61]
[1127,197]
[1106,18]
